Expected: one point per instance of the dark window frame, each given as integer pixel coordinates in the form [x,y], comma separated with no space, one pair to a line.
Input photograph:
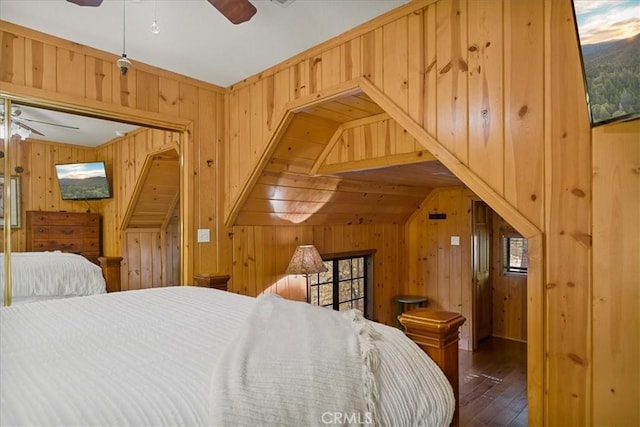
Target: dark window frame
[507,246]
[334,260]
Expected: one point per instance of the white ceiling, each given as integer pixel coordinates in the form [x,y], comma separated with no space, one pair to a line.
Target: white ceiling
[194,40]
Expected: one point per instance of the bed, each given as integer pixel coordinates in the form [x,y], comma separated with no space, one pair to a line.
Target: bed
[76,233]
[195,356]
[37,276]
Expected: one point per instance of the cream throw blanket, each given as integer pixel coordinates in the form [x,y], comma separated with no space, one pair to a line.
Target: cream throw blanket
[295,364]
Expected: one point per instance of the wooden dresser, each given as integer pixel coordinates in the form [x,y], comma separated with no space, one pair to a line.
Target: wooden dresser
[76,232]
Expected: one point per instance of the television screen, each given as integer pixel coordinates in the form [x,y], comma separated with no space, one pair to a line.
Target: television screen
[609,34]
[83,181]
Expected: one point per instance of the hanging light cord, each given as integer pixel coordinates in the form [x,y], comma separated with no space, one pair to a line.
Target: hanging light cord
[124,26]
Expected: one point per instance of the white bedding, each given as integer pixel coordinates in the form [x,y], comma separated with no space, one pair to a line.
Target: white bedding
[148,358]
[37,275]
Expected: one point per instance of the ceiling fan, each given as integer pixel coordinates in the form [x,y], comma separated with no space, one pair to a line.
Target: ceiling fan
[236,11]
[23,129]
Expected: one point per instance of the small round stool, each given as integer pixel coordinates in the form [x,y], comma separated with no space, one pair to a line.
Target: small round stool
[404,302]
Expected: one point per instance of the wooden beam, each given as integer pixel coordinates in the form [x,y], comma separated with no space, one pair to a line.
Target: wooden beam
[365,121]
[376,163]
[327,149]
[466,175]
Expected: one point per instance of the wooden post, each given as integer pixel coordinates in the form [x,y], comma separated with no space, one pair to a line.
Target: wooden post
[436,332]
[111,271]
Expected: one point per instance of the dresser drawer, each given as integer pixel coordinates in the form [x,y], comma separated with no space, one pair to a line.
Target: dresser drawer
[73,219]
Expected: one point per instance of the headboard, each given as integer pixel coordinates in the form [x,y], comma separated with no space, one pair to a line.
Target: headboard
[76,232]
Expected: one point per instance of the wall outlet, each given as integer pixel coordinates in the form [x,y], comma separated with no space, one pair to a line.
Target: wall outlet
[455,240]
[204,235]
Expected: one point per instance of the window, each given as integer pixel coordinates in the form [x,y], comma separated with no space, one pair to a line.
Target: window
[515,254]
[343,286]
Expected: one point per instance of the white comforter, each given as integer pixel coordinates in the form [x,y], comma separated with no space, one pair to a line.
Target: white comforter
[148,358]
[52,274]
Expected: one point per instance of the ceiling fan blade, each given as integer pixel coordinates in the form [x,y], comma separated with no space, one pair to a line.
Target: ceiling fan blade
[236,11]
[92,3]
[47,123]
[22,125]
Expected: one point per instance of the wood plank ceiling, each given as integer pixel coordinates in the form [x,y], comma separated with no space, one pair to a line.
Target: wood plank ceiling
[290,190]
[158,193]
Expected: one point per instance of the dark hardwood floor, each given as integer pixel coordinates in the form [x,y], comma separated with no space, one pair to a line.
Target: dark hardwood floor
[493,384]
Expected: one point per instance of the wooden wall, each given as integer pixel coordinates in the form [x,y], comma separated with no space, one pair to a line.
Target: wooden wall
[124,158]
[616,274]
[261,255]
[39,186]
[63,74]
[509,290]
[434,267]
[498,85]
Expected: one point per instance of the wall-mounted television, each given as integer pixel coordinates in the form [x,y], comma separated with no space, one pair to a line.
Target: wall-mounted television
[609,36]
[83,181]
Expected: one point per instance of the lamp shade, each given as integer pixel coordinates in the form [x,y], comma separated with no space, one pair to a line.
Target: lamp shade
[306,260]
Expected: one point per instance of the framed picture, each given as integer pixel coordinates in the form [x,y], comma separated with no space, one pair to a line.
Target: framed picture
[16,212]
[609,37]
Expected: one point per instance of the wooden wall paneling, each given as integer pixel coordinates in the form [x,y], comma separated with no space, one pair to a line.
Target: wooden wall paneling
[279,94]
[133,261]
[71,72]
[255,122]
[244,132]
[429,96]
[299,76]
[36,169]
[189,203]
[568,282]
[40,65]
[111,234]
[451,45]
[395,62]
[224,245]
[536,324]
[442,272]
[524,108]
[169,96]
[147,257]
[233,153]
[148,88]
[314,69]
[125,89]
[99,79]
[416,65]
[373,56]
[172,250]
[206,185]
[332,66]
[13,55]
[509,290]
[616,274]
[47,58]
[351,54]
[239,276]
[485,90]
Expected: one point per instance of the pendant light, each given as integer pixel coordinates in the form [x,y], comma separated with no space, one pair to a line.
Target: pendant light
[155,29]
[123,63]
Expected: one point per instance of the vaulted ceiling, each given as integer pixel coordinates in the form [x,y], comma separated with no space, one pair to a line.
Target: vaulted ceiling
[317,174]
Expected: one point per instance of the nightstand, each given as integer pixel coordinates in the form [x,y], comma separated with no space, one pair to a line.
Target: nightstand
[207,280]
[404,302]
